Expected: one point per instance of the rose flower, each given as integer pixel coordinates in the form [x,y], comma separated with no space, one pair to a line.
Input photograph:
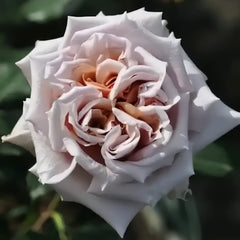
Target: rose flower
[116,111]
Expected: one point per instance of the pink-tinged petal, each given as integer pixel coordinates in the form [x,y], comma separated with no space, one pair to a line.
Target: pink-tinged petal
[127,119]
[173,96]
[67,103]
[41,48]
[110,28]
[148,59]
[106,46]
[70,71]
[75,24]
[177,70]
[140,164]
[117,212]
[52,67]
[51,167]
[42,94]
[21,134]
[106,69]
[96,116]
[116,145]
[168,94]
[105,207]
[157,185]
[126,77]
[151,21]
[209,118]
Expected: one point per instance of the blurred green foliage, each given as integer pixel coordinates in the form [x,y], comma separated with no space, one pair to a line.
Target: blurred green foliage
[24,202]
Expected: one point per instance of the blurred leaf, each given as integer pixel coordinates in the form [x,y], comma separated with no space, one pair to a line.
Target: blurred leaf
[59,224]
[8,149]
[232,148]
[93,231]
[193,222]
[14,87]
[41,11]
[36,189]
[9,11]
[29,220]
[182,216]
[30,235]
[18,211]
[213,161]
[11,55]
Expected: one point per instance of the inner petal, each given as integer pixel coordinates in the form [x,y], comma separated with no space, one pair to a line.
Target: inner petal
[107,69]
[151,119]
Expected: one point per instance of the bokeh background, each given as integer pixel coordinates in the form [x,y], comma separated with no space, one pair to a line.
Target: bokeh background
[210,33]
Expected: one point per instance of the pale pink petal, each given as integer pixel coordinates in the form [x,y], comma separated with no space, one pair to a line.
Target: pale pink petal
[151,21]
[106,46]
[157,185]
[117,212]
[21,134]
[51,167]
[209,117]
[42,95]
[140,164]
[41,48]
[106,68]
[61,107]
[117,145]
[75,24]
[126,77]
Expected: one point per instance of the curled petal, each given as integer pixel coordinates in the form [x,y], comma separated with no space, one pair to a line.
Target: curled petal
[60,108]
[51,166]
[21,133]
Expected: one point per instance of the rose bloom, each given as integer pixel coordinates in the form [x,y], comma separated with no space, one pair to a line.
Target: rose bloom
[116,111]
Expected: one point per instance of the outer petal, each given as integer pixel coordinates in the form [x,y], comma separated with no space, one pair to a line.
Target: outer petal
[41,47]
[51,167]
[118,213]
[151,21]
[209,117]
[75,24]
[21,135]
[159,184]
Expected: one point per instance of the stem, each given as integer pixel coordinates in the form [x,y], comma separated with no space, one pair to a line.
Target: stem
[46,214]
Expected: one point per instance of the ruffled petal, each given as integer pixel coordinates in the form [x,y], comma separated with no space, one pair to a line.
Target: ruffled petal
[159,184]
[51,167]
[41,48]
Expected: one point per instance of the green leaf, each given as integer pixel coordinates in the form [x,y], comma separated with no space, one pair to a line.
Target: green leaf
[14,86]
[213,161]
[59,224]
[29,220]
[182,216]
[18,211]
[43,10]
